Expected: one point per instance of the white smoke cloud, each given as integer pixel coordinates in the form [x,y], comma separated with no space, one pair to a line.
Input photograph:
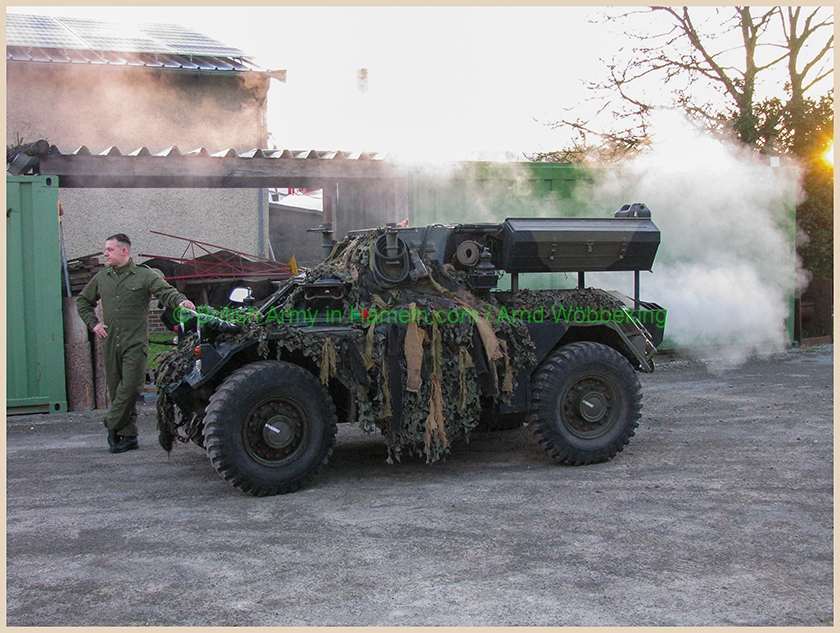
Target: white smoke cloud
[726,270]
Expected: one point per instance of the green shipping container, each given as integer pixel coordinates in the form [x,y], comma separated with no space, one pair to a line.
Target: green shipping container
[35,381]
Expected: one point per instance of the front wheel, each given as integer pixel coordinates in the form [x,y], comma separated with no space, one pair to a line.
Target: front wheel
[269,428]
[587,403]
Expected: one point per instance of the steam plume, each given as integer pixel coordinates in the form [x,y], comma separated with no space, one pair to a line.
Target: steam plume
[726,270]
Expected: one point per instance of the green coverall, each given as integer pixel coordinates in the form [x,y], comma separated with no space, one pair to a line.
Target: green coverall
[125,293]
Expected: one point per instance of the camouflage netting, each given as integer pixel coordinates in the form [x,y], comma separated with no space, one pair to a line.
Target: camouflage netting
[564,303]
[419,382]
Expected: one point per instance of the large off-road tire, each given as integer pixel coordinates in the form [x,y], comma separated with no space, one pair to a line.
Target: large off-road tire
[587,402]
[269,428]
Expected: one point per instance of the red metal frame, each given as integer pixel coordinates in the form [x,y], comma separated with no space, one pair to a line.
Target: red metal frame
[233,264]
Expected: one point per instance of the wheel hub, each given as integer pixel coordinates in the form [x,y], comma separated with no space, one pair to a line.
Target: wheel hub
[275,432]
[279,431]
[588,407]
[593,406]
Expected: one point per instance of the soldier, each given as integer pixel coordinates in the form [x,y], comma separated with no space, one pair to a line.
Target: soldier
[125,289]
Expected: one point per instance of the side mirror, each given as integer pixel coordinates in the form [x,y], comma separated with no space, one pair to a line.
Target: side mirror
[241,294]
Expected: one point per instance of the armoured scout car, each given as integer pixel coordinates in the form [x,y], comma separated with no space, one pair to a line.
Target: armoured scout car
[402,331]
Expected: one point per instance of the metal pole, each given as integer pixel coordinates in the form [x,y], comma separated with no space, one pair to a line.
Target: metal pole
[64,268]
[636,289]
[260,221]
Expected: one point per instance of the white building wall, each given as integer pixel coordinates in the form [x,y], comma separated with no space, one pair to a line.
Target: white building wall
[71,105]
[225,217]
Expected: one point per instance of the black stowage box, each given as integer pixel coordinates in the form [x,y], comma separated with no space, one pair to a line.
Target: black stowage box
[576,244]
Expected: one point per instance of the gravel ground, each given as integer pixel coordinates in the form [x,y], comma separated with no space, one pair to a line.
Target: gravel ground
[719,512]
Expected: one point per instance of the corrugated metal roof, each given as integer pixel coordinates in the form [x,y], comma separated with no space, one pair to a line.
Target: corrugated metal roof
[301,154]
[35,38]
[201,168]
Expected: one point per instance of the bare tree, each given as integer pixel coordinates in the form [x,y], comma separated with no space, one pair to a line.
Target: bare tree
[807,65]
[711,62]
[588,147]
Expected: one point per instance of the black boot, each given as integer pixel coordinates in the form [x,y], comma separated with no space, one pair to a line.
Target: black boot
[113,438]
[125,444]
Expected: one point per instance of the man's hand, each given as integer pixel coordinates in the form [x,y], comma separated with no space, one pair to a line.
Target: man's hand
[101,330]
[186,303]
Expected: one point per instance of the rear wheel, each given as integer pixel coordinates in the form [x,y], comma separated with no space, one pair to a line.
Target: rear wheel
[587,403]
[269,428]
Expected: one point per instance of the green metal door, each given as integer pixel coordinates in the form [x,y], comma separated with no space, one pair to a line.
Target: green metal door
[34,323]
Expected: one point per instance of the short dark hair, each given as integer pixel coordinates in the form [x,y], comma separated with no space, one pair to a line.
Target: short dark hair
[120,237]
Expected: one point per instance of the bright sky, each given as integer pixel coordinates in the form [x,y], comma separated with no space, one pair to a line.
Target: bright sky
[444,82]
